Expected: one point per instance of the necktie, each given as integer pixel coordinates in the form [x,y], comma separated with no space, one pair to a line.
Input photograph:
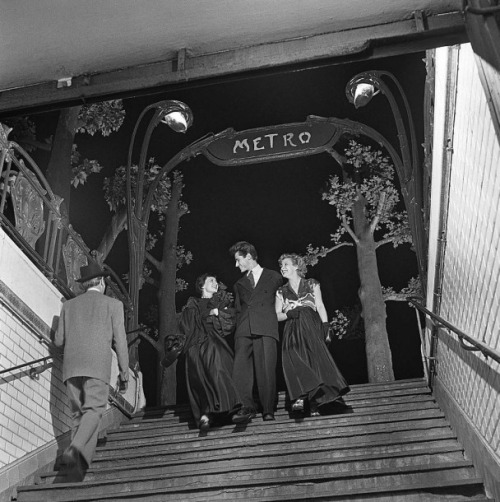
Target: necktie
[251,279]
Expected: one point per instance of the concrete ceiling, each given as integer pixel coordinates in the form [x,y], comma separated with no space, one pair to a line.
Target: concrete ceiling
[112,46]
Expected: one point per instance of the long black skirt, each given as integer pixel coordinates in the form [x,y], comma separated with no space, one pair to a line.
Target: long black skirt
[209,367]
[308,366]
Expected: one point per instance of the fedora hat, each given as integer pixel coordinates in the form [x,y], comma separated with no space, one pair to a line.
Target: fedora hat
[90,271]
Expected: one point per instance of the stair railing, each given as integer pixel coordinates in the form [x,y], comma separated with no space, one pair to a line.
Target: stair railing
[48,361]
[34,372]
[466,341]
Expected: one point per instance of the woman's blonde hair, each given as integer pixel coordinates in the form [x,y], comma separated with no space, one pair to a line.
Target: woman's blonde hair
[297,261]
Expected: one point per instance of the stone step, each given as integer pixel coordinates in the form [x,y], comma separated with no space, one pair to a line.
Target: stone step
[392,444]
[412,383]
[402,439]
[386,457]
[263,484]
[397,412]
[163,453]
[270,434]
[365,393]
[383,405]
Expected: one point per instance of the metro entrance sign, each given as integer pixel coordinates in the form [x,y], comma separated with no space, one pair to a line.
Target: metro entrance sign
[271,143]
[315,135]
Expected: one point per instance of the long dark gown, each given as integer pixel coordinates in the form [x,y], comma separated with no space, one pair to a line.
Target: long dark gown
[209,361]
[308,366]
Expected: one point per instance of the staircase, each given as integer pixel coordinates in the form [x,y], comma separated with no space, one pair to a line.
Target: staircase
[393,445]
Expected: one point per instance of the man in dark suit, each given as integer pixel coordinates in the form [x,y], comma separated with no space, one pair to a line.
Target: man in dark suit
[89,325]
[256,333]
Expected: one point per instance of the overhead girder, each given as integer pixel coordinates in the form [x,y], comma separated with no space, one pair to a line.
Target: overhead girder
[415,34]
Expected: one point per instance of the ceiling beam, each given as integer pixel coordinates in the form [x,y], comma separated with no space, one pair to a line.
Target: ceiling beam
[405,36]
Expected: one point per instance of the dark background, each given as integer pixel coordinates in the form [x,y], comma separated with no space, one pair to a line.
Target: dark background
[277,206]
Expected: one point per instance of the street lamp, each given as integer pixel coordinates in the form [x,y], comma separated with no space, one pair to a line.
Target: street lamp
[359,91]
[178,116]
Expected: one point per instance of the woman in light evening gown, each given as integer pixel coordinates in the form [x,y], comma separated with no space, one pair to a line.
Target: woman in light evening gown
[309,369]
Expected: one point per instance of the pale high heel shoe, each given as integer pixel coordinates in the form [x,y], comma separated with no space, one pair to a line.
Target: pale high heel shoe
[204,424]
[298,405]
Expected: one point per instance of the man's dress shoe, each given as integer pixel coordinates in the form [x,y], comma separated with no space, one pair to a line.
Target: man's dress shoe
[74,465]
[70,457]
[243,416]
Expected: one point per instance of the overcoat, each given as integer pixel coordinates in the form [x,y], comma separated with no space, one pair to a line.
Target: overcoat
[89,326]
[255,312]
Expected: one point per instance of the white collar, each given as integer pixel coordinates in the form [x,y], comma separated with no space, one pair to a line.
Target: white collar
[257,270]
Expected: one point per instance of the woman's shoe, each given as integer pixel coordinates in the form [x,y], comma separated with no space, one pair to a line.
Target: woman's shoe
[204,424]
[298,405]
[313,407]
[243,416]
[339,402]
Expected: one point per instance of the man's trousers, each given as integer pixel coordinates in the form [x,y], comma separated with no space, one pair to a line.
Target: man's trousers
[88,398]
[256,355]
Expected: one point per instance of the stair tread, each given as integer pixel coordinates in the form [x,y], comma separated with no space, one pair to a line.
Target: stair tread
[393,443]
[383,406]
[256,451]
[269,435]
[296,459]
[373,391]
[262,495]
[284,419]
[407,439]
[456,472]
[202,448]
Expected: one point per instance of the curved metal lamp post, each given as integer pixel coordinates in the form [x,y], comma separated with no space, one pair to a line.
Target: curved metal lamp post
[178,116]
[359,91]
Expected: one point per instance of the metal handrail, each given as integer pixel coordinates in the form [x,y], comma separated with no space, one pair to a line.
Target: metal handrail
[19,366]
[36,371]
[475,345]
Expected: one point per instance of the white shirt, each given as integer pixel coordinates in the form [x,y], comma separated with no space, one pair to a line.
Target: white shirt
[257,272]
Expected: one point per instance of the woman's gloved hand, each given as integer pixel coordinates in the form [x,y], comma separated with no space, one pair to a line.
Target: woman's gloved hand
[293,313]
[326,332]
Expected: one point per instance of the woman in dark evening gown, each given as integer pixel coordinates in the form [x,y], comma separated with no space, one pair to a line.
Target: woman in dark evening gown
[309,369]
[209,359]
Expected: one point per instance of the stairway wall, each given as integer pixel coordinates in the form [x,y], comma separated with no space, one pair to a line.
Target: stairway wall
[34,414]
[464,279]
[31,466]
[474,444]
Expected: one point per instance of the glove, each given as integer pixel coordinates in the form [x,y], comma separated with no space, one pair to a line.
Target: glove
[293,313]
[326,331]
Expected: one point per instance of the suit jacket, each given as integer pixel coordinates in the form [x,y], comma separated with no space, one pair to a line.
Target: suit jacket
[89,326]
[255,311]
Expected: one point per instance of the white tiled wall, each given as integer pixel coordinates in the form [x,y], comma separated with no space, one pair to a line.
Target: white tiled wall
[471,265]
[32,412]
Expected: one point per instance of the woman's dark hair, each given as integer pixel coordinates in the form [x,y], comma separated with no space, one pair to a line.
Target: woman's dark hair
[200,282]
[243,248]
